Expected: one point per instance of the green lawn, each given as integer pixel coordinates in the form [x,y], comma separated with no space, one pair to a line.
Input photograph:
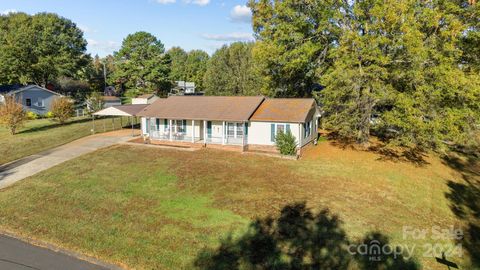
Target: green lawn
[148,208]
[42,134]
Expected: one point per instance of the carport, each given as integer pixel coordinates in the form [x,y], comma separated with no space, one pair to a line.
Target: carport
[130,111]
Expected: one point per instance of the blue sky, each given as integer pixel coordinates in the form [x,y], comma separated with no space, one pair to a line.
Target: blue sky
[190,24]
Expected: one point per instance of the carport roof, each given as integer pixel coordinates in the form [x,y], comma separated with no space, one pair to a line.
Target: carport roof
[122,110]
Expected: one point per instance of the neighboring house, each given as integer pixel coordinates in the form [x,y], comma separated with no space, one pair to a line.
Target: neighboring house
[145,99]
[249,122]
[109,101]
[109,91]
[33,97]
[184,88]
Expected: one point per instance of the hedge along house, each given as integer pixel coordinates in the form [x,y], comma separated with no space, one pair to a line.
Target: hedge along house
[244,122]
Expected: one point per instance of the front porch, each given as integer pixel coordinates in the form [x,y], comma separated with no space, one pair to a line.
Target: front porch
[201,132]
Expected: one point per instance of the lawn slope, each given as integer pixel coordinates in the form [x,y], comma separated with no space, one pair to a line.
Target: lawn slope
[156,209]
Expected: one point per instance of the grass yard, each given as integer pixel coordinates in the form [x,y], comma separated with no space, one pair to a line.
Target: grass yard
[42,134]
[147,208]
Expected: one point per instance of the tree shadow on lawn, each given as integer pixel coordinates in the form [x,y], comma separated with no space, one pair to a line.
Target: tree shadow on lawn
[412,155]
[301,239]
[465,201]
[54,125]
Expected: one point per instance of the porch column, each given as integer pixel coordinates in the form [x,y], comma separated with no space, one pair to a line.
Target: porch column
[131,122]
[193,131]
[170,135]
[243,134]
[205,131]
[223,132]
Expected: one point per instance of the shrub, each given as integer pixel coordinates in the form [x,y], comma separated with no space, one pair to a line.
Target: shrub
[49,115]
[12,115]
[32,116]
[62,109]
[286,143]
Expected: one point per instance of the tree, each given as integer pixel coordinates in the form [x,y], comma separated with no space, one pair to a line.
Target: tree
[195,67]
[406,71]
[95,102]
[178,57]
[231,71]
[293,42]
[62,109]
[189,66]
[141,65]
[12,115]
[96,75]
[40,48]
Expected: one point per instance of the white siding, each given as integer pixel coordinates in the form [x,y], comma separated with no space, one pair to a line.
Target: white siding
[139,101]
[195,130]
[217,127]
[144,125]
[260,132]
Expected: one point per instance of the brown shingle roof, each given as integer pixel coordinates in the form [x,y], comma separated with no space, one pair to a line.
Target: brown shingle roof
[110,98]
[294,110]
[147,96]
[132,109]
[204,108]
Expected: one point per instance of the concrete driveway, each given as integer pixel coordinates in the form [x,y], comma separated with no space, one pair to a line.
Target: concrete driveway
[28,166]
[19,255]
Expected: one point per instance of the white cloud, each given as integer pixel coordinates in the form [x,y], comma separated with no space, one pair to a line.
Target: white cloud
[229,37]
[86,29]
[163,2]
[102,47]
[241,13]
[195,2]
[8,11]
[198,2]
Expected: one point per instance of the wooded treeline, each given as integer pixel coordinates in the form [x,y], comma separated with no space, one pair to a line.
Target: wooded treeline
[406,71]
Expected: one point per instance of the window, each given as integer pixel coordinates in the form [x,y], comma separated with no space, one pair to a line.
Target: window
[230,130]
[276,128]
[235,130]
[239,130]
[308,129]
[180,126]
[28,102]
[280,128]
[40,102]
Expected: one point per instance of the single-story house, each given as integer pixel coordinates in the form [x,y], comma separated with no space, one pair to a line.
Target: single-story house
[109,101]
[34,98]
[145,99]
[249,122]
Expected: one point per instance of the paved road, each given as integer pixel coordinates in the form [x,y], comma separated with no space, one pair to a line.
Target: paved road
[18,255]
[28,166]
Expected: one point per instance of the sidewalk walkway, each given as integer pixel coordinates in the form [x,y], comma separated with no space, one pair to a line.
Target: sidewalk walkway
[28,166]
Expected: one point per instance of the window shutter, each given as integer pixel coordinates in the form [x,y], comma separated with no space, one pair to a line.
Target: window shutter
[246,128]
[165,123]
[272,132]
[184,124]
[288,129]
[158,124]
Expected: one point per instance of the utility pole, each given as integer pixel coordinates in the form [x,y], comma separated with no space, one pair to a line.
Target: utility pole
[104,74]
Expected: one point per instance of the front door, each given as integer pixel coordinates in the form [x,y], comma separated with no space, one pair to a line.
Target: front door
[209,129]
[147,125]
